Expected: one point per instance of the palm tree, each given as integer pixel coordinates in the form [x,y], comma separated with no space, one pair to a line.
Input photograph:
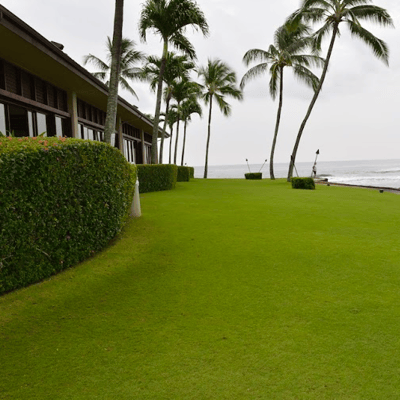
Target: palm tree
[172,118]
[177,67]
[219,81]
[129,58]
[332,13]
[189,106]
[112,101]
[181,91]
[289,43]
[169,19]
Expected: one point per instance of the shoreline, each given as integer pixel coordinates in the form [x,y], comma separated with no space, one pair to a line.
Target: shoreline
[384,188]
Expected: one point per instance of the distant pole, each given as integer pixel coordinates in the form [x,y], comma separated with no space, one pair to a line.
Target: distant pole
[248,166]
[262,166]
[314,168]
[135,208]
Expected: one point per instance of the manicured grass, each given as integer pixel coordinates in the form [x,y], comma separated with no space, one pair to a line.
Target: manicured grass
[224,289]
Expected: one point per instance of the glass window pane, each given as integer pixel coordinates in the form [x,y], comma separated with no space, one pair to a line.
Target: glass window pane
[30,124]
[2,119]
[18,121]
[41,124]
[90,134]
[113,139]
[125,149]
[85,133]
[59,129]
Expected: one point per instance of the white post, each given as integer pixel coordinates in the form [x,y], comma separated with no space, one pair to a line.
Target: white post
[135,207]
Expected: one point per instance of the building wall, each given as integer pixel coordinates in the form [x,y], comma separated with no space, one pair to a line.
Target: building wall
[29,106]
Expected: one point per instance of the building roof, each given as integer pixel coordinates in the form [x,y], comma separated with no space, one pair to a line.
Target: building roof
[23,46]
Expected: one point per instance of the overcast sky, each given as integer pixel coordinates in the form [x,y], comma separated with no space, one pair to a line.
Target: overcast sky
[356,117]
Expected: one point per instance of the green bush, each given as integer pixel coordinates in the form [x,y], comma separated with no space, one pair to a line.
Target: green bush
[253,175]
[183,174]
[157,177]
[191,172]
[303,183]
[61,200]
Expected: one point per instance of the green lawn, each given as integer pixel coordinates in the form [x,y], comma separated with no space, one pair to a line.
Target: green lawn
[224,289]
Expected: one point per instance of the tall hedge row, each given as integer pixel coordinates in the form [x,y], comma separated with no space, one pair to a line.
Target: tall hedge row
[61,200]
[156,177]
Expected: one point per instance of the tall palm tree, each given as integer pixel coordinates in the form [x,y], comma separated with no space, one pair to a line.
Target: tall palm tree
[177,67]
[169,19]
[182,90]
[289,43]
[332,13]
[112,100]
[219,82]
[128,71]
[189,107]
[172,118]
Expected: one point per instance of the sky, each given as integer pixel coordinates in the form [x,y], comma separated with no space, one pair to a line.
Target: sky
[356,116]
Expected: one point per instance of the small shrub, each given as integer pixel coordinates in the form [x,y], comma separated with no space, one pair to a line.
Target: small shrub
[183,174]
[191,172]
[156,177]
[303,183]
[61,200]
[253,175]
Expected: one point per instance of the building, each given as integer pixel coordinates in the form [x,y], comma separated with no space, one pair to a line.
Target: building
[43,90]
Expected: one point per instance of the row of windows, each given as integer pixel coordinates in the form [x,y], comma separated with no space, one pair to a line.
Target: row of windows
[18,81]
[19,122]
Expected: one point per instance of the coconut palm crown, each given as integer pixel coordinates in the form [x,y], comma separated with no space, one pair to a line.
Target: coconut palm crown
[169,19]
[177,67]
[218,82]
[290,41]
[129,58]
[332,13]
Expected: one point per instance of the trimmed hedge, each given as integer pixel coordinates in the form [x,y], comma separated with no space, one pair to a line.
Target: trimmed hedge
[61,200]
[253,175]
[156,177]
[191,172]
[183,174]
[303,183]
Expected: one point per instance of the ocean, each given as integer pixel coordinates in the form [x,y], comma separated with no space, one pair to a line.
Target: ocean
[377,173]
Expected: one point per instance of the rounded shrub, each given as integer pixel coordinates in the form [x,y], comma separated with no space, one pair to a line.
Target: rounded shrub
[61,200]
[303,183]
[253,175]
[156,177]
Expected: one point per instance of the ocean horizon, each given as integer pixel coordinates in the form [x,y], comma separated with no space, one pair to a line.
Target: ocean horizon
[377,173]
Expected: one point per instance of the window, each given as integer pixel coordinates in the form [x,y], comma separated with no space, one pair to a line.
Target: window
[18,121]
[2,119]
[129,150]
[31,124]
[59,126]
[41,124]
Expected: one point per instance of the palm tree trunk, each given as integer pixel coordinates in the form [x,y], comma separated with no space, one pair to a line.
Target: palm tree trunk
[278,120]
[170,146]
[154,149]
[184,141]
[112,101]
[176,139]
[164,130]
[208,139]
[314,99]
